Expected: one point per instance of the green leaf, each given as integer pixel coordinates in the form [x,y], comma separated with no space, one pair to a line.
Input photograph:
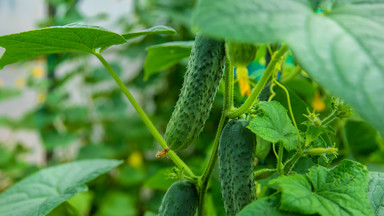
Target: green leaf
[70,38]
[266,206]
[51,139]
[342,49]
[162,56]
[154,30]
[262,148]
[340,191]
[160,181]
[376,192]
[361,138]
[65,209]
[313,132]
[41,192]
[117,203]
[274,125]
[298,105]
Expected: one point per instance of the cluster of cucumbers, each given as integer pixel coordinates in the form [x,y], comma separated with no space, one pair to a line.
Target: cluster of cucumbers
[237,143]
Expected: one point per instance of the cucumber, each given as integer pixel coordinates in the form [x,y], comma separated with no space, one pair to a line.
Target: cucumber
[236,147]
[240,54]
[180,199]
[204,72]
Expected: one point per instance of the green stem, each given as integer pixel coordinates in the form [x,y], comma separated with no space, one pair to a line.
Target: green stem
[260,85]
[280,166]
[228,103]
[171,154]
[329,118]
[291,114]
[203,184]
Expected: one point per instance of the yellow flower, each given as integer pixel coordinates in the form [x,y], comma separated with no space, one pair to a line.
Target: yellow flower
[1,83]
[20,82]
[38,71]
[318,103]
[135,159]
[242,75]
[41,97]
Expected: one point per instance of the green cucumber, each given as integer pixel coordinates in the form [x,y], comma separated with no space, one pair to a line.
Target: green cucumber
[204,72]
[240,54]
[236,148]
[180,199]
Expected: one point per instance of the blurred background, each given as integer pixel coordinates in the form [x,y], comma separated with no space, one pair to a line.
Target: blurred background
[66,107]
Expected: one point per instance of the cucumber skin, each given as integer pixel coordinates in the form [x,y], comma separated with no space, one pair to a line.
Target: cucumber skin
[180,199]
[236,147]
[201,81]
[240,54]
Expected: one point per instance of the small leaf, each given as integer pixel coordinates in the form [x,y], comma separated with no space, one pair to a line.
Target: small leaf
[376,192]
[154,30]
[41,192]
[274,125]
[313,132]
[162,56]
[341,191]
[70,38]
[160,181]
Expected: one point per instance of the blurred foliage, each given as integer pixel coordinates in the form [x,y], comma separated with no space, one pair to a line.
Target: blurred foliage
[102,124]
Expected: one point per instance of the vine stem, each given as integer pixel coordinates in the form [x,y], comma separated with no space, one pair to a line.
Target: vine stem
[228,104]
[291,113]
[260,85]
[329,118]
[171,154]
[280,166]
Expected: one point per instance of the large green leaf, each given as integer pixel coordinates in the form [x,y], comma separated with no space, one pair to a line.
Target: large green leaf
[41,192]
[376,192]
[70,38]
[341,49]
[341,191]
[274,125]
[162,56]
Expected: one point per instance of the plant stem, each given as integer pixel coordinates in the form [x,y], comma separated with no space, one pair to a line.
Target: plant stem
[329,118]
[280,166]
[260,85]
[171,154]
[228,103]
[291,114]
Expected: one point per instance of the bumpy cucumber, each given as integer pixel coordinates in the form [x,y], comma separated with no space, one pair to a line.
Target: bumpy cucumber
[204,72]
[180,199]
[236,149]
[240,54]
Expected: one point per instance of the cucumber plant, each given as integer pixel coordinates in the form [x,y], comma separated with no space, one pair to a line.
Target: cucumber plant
[295,167]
